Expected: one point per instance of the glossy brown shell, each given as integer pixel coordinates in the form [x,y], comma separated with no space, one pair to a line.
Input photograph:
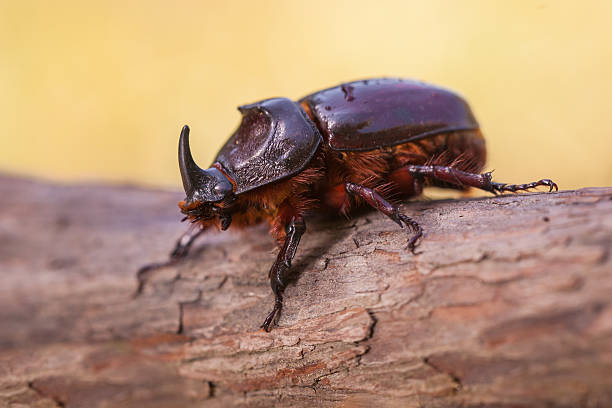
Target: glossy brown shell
[274,140]
[375,113]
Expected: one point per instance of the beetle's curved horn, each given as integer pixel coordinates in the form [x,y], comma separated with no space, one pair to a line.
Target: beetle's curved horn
[189,169]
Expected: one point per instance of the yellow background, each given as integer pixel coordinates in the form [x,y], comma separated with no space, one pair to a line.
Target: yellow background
[99,90]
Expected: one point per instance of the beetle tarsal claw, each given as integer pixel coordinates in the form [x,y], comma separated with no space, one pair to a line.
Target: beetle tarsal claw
[551,185]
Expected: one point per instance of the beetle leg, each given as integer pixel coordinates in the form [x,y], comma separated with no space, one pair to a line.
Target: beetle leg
[278,273]
[181,249]
[376,201]
[184,243]
[502,187]
[481,181]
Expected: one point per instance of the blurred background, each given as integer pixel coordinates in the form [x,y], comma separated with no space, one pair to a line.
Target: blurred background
[98,91]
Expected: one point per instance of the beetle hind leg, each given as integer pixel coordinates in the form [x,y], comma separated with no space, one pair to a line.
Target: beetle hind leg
[482,181]
[376,201]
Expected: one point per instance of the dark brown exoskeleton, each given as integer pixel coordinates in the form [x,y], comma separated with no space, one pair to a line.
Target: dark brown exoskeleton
[354,144]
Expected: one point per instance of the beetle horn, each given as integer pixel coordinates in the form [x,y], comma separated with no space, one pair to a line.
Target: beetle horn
[189,169]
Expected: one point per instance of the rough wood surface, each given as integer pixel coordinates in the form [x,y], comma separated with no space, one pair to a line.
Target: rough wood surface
[507,303]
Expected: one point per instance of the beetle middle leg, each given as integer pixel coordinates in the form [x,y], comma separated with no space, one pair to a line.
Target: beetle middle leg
[278,273]
[482,181]
[376,201]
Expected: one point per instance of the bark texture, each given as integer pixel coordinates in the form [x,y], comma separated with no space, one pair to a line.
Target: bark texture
[507,303]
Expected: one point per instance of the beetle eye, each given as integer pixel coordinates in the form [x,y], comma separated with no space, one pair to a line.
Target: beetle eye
[222,189]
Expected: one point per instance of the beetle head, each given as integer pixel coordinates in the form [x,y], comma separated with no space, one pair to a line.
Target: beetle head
[207,190]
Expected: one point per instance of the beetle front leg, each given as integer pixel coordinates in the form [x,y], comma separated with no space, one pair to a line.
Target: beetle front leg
[278,273]
[482,181]
[376,201]
[184,243]
[181,249]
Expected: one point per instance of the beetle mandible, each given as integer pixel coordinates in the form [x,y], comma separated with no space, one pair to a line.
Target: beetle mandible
[354,144]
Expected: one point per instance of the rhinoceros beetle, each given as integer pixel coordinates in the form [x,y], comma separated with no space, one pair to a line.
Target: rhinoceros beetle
[350,145]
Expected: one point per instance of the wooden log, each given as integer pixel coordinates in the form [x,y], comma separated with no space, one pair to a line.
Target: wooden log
[507,303]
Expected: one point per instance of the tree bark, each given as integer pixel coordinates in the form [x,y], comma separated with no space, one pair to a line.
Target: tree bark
[506,303]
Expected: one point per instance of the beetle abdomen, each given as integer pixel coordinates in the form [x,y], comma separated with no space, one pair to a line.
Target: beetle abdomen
[375,113]
[463,150]
[386,169]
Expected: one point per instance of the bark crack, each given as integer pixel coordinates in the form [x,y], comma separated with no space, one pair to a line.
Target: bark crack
[57,400]
[181,305]
[453,376]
